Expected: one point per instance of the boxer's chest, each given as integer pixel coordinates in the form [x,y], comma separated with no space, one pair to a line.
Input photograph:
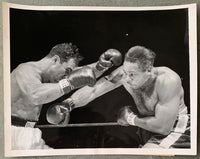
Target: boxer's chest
[144,100]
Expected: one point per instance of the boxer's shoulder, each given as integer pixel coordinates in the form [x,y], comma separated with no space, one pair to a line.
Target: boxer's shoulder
[167,79]
[26,72]
[25,67]
[166,74]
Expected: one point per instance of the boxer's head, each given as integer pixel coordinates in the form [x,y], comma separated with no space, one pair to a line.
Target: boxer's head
[138,65]
[65,51]
[65,57]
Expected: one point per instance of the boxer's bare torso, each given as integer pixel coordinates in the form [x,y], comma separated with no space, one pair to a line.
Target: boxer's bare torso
[21,105]
[146,99]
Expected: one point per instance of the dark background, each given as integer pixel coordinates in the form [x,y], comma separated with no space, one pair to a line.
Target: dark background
[34,33]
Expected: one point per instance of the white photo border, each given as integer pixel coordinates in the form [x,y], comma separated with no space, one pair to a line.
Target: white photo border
[192,15]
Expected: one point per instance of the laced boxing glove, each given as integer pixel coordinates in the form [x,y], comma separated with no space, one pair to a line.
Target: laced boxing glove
[78,78]
[108,59]
[126,116]
[59,113]
[82,77]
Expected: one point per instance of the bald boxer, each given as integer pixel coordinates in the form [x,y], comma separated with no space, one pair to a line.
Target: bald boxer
[39,82]
[163,120]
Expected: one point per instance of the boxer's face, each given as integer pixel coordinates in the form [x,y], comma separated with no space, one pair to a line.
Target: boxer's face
[134,76]
[58,71]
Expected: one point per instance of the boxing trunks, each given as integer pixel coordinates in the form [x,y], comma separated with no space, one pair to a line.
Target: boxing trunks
[24,136]
[22,122]
[179,137]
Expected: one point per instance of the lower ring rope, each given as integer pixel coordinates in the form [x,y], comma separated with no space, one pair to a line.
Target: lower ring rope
[78,125]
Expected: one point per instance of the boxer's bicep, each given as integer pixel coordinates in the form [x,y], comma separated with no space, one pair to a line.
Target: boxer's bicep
[166,109]
[45,93]
[163,120]
[165,115]
[33,89]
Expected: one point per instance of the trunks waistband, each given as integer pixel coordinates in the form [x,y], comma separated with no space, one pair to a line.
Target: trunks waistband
[16,121]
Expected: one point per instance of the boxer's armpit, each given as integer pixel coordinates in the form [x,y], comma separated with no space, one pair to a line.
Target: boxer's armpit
[115,76]
[114,79]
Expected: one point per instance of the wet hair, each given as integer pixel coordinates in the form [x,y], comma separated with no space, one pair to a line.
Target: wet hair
[65,51]
[141,55]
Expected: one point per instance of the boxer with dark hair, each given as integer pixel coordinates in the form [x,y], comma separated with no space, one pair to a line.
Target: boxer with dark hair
[39,82]
[163,120]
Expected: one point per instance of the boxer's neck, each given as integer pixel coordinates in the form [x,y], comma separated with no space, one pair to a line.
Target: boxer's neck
[43,66]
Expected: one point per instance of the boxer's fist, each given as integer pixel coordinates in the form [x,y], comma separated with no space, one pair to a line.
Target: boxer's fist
[58,113]
[82,77]
[108,59]
[126,116]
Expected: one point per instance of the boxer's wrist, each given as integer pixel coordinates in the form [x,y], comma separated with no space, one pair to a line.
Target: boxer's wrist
[100,67]
[65,86]
[69,104]
[131,118]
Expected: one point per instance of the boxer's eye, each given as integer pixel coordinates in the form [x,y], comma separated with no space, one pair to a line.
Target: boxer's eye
[131,75]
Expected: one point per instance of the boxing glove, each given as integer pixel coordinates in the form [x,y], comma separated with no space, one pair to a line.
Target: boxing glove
[108,59]
[58,113]
[82,77]
[126,116]
[78,78]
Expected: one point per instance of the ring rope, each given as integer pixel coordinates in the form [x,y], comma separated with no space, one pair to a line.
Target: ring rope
[78,125]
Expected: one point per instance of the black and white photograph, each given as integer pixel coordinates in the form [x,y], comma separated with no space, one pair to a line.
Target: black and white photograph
[100,80]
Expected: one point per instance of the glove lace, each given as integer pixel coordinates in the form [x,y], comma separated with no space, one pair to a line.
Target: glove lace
[131,118]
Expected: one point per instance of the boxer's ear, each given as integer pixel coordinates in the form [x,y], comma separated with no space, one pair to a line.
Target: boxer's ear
[56,59]
[149,68]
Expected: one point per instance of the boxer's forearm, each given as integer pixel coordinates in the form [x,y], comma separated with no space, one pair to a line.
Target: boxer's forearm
[45,93]
[82,96]
[87,94]
[166,111]
[153,125]
[97,72]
